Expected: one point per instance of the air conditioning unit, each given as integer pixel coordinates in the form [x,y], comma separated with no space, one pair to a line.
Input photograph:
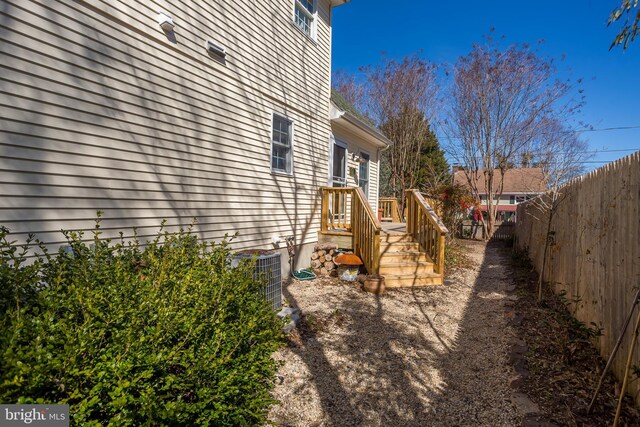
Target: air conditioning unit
[267,265]
[215,49]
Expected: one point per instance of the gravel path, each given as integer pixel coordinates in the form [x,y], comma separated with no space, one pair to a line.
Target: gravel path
[424,356]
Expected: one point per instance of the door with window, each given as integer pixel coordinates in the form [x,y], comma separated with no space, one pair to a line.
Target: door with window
[339,164]
[338,173]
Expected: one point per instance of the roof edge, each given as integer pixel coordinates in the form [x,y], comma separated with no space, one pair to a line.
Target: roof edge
[356,121]
[336,3]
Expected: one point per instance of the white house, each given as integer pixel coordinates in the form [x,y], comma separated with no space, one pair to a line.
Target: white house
[217,110]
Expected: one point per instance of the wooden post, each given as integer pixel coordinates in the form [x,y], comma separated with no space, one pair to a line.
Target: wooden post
[325,210]
[409,203]
[394,211]
[375,265]
[355,226]
[441,254]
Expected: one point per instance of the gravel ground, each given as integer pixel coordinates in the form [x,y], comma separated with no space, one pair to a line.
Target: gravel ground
[424,356]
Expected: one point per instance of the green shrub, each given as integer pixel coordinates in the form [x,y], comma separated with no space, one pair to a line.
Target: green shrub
[129,334]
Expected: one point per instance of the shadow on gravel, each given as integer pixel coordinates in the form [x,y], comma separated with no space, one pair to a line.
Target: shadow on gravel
[392,397]
[475,371]
[407,371]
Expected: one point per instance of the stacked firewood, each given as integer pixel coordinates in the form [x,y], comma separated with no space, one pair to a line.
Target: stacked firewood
[322,259]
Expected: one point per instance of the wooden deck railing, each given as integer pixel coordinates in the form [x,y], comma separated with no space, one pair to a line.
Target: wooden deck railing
[336,209]
[390,209]
[366,232]
[426,228]
[345,211]
[435,204]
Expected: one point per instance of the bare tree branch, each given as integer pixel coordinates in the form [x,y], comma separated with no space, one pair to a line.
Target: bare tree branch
[499,102]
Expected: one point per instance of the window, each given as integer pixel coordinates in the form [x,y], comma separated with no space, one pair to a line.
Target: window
[281,144]
[304,16]
[520,199]
[363,173]
[339,164]
[512,200]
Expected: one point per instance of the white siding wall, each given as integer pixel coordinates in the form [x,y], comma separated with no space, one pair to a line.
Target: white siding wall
[355,145]
[99,110]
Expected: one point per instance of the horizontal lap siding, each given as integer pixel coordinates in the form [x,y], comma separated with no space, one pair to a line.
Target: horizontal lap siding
[355,145]
[100,112]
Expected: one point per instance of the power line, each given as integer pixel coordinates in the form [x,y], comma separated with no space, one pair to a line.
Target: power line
[610,151]
[607,129]
[575,152]
[569,131]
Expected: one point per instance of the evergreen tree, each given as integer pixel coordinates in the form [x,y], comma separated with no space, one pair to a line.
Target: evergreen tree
[433,170]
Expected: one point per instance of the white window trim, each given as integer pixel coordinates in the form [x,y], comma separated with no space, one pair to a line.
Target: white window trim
[368,171]
[332,140]
[312,16]
[292,137]
[335,141]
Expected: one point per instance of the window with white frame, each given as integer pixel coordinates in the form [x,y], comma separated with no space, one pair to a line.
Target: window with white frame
[281,144]
[304,16]
[339,164]
[363,173]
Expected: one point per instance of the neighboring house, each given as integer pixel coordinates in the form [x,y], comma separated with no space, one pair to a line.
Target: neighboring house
[226,117]
[520,184]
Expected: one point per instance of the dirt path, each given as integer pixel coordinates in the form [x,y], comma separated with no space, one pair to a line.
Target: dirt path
[424,356]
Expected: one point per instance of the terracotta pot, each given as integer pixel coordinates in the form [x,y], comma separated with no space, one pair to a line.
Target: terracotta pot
[375,285]
[380,214]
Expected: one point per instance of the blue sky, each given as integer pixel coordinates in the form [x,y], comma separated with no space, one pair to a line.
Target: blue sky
[445,31]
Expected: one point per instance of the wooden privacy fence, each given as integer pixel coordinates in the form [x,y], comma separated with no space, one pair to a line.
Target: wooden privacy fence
[346,211]
[594,254]
[426,228]
[502,230]
[390,209]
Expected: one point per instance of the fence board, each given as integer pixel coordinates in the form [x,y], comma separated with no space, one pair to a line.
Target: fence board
[596,255]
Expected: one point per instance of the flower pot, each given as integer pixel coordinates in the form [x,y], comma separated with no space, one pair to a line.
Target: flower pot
[380,211]
[374,284]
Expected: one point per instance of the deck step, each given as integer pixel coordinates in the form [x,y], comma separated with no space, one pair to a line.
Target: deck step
[398,247]
[411,280]
[395,238]
[414,267]
[403,256]
[403,264]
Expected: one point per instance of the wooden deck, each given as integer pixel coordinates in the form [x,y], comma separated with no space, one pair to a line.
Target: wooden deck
[407,254]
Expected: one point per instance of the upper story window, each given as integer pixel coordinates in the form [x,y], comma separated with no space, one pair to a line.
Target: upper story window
[305,15]
[282,145]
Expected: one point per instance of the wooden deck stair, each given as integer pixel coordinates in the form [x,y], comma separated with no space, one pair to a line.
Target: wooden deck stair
[403,264]
[406,254]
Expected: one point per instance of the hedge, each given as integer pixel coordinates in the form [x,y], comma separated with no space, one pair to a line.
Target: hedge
[126,333]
